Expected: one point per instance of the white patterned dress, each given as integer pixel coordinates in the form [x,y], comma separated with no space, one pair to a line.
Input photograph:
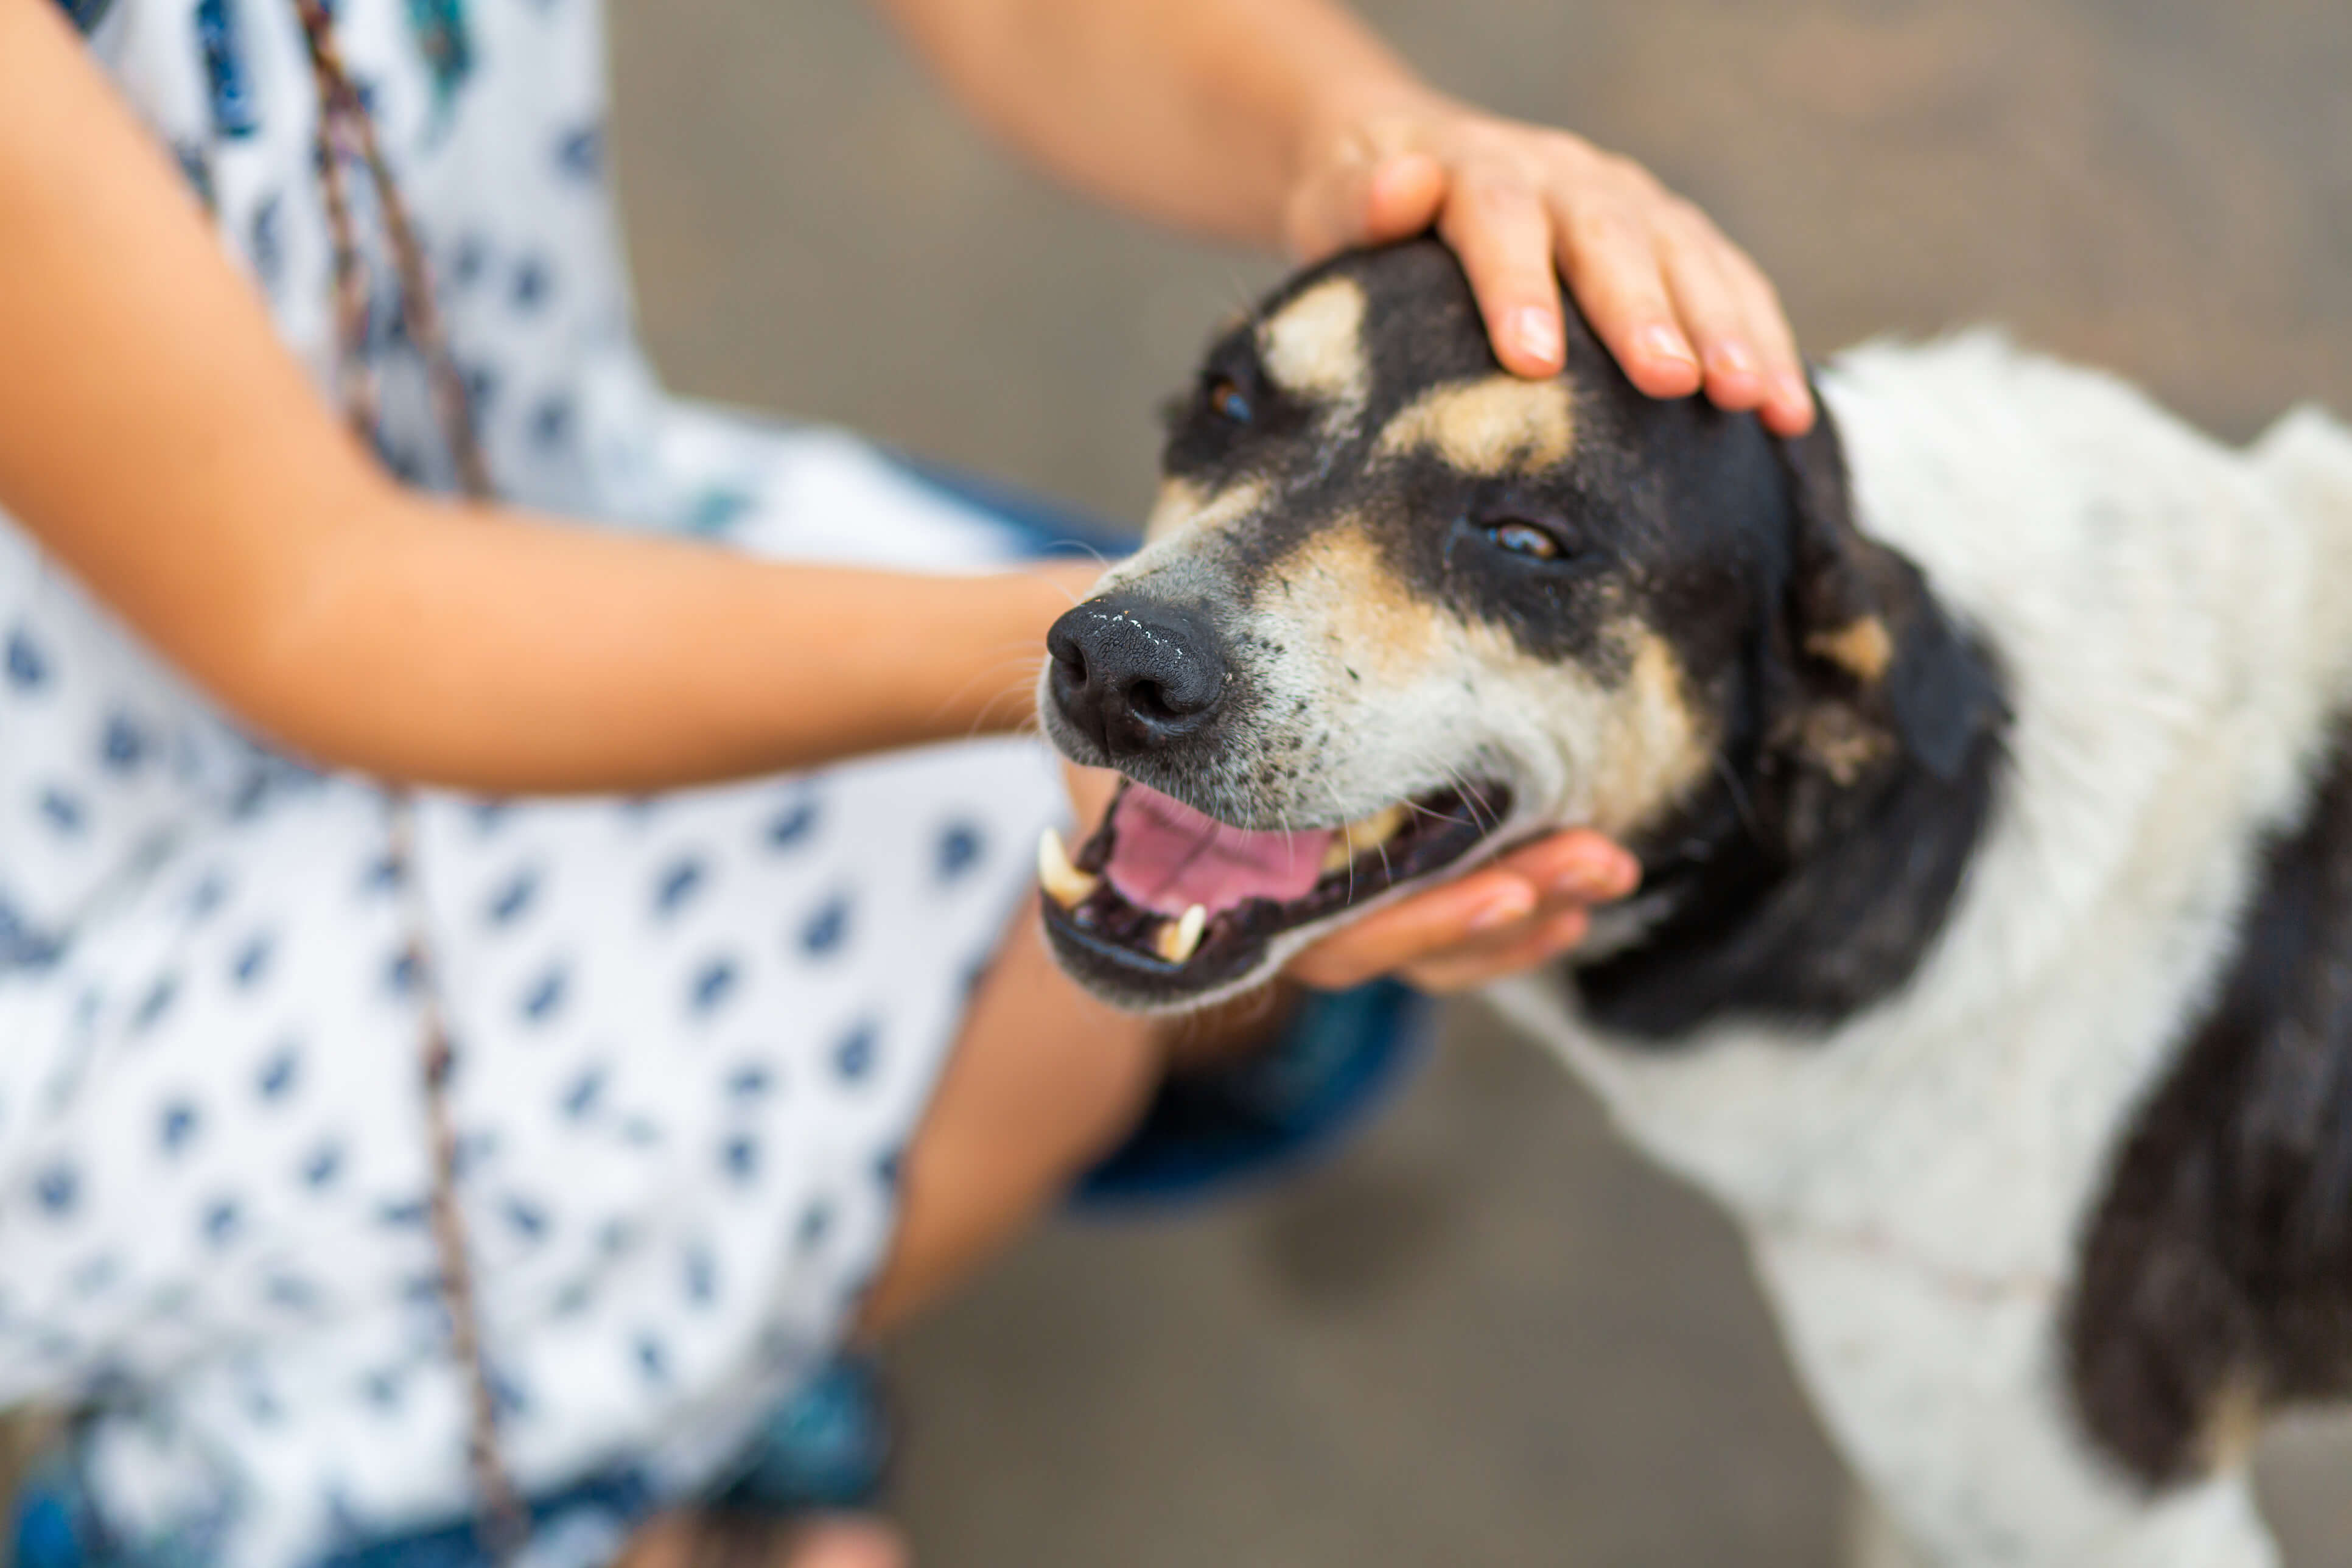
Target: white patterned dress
[693,1031]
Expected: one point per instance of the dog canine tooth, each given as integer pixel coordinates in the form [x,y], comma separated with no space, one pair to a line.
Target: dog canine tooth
[1338,856]
[1064,883]
[1177,941]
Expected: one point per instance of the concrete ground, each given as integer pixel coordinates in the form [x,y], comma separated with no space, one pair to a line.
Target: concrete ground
[1486,1335]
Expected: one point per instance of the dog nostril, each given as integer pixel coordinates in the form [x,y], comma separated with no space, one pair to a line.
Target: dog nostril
[1148,700]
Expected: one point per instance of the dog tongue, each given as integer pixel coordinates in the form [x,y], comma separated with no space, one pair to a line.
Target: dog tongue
[1166,857]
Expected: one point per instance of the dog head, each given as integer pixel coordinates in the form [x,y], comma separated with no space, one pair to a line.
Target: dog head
[1398,609]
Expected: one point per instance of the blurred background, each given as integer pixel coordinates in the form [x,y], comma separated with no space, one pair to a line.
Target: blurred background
[1485,1334]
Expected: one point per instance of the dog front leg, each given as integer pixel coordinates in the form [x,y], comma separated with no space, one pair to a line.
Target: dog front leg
[1943,1393]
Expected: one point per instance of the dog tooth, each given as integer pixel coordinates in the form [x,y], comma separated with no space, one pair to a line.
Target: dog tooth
[1178,940]
[1064,883]
[1363,835]
[1380,827]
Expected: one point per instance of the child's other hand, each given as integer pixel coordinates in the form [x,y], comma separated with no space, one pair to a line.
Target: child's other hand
[1678,304]
[1527,908]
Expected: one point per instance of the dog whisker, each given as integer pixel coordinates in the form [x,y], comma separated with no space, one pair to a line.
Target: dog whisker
[1739,794]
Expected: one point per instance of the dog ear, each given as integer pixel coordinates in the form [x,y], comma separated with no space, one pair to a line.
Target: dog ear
[1877,662]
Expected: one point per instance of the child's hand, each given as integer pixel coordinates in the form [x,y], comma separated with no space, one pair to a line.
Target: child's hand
[1523,206]
[1527,908]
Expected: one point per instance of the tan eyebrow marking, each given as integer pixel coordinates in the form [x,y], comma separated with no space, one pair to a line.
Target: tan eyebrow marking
[1315,345]
[1490,426]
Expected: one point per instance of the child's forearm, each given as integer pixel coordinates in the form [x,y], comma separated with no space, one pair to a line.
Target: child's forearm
[483,650]
[1196,112]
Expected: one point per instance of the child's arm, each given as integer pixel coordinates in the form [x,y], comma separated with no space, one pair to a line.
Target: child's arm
[1286,121]
[156,437]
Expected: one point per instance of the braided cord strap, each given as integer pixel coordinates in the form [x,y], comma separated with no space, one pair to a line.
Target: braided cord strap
[347,137]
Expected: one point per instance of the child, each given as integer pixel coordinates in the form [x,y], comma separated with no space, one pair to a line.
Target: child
[741,1069]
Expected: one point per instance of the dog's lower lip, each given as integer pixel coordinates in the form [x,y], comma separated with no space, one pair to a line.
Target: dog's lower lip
[1199,951]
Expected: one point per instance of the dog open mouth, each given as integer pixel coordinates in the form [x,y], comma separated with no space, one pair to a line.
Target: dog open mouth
[1170,902]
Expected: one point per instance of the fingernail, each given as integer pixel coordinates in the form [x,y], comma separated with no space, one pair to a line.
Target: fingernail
[1583,883]
[1665,343]
[1508,906]
[1596,881]
[1607,872]
[1733,358]
[1791,390]
[1538,333]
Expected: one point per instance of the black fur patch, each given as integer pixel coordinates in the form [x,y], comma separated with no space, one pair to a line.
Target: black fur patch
[1794,910]
[2218,1265]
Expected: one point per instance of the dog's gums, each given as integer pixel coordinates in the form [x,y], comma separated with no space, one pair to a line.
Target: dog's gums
[1174,902]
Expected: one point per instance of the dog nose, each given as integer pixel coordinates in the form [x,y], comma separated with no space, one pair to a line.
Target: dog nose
[1135,673]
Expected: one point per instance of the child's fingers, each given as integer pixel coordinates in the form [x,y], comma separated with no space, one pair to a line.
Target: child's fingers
[1610,257]
[1460,926]
[1420,926]
[1578,865]
[1713,314]
[1539,942]
[1680,307]
[1497,223]
[1575,871]
[1788,396]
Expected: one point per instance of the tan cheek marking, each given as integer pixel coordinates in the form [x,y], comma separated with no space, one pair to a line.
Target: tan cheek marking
[1182,504]
[1379,631]
[1863,649]
[1634,747]
[1315,345]
[1658,748]
[1490,426]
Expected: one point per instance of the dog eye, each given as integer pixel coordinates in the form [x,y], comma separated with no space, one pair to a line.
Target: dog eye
[1229,402]
[1526,539]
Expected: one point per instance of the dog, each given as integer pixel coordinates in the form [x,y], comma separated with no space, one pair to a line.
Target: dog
[1988,752]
